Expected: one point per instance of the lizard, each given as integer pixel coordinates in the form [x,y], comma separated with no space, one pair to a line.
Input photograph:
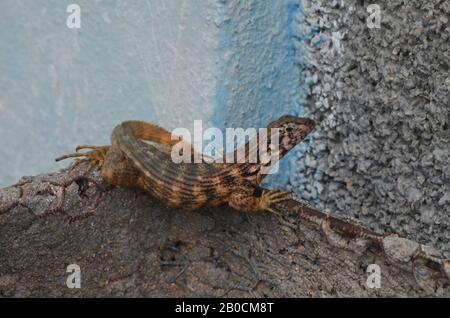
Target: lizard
[132,163]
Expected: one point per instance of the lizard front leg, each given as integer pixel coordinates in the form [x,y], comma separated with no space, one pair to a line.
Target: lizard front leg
[243,198]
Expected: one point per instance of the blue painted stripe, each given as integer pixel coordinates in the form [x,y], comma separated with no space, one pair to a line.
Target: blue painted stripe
[259,74]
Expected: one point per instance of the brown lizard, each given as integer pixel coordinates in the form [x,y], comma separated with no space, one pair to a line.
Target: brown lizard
[131,162]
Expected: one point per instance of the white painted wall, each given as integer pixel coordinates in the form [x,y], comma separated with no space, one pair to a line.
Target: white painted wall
[229,63]
[150,60]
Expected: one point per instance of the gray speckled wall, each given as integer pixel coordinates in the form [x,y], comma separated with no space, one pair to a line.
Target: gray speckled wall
[381,152]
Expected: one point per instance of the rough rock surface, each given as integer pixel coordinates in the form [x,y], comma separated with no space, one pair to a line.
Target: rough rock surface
[132,246]
[381,96]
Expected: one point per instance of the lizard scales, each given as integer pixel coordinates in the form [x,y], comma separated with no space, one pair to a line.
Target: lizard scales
[131,162]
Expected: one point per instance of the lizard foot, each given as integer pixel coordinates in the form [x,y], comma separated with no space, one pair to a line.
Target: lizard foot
[269,197]
[96,157]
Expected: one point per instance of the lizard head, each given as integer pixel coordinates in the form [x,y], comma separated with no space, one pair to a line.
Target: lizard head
[291,131]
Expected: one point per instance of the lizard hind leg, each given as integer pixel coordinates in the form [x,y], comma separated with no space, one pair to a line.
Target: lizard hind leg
[119,170]
[95,158]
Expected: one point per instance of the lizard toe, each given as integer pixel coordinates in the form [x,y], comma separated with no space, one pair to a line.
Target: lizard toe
[270,197]
[95,158]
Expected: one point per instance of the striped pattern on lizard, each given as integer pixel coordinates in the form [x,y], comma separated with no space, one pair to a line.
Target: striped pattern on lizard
[131,162]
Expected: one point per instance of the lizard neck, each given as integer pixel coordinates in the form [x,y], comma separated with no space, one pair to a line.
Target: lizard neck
[256,167]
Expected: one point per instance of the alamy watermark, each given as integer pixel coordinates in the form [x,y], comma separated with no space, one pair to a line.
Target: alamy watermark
[374,19]
[374,277]
[74,19]
[74,279]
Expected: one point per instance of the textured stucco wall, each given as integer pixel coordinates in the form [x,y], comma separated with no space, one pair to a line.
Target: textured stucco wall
[259,68]
[382,147]
[149,60]
[228,63]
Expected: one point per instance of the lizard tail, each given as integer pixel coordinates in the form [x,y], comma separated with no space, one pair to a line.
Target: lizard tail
[150,132]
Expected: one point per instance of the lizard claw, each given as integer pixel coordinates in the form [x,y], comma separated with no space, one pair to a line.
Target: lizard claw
[270,197]
[95,158]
